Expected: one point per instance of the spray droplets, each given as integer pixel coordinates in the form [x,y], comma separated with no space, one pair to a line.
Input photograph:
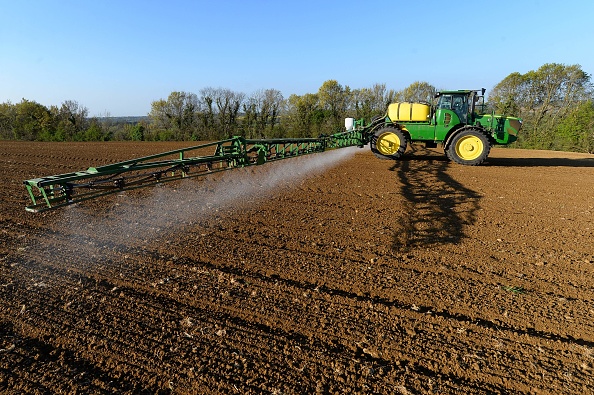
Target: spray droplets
[134,221]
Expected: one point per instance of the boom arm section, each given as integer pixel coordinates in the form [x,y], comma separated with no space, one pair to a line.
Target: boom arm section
[51,192]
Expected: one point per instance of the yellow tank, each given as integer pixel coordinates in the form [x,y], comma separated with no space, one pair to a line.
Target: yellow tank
[408,111]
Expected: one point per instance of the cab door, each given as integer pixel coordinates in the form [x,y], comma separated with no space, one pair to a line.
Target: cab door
[460,107]
[443,116]
[451,110]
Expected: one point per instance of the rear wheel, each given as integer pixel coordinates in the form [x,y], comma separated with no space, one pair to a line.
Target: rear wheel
[389,143]
[469,147]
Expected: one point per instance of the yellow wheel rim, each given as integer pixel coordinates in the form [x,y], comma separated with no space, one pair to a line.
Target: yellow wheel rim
[388,144]
[469,147]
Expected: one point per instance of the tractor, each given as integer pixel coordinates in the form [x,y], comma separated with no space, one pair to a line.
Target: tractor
[457,121]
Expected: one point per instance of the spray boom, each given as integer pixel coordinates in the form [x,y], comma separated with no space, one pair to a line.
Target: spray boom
[55,191]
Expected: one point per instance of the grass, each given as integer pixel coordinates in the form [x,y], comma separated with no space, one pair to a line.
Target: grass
[514,289]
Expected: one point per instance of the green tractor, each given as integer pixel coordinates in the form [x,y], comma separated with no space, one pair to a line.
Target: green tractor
[457,121]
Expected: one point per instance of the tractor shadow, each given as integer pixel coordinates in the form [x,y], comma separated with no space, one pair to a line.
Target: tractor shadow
[540,162]
[436,208]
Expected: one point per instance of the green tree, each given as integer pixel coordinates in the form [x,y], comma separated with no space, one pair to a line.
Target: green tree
[542,98]
[136,132]
[7,120]
[371,102]
[506,96]
[418,91]
[95,131]
[31,120]
[335,100]
[577,129]
[304,116]
[70,121]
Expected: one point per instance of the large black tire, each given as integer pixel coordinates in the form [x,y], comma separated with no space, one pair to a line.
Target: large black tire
[468,147]
[389,143]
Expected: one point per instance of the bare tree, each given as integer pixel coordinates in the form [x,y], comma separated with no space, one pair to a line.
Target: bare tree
[227,105]
[261,112]
[175,118]
[368,103]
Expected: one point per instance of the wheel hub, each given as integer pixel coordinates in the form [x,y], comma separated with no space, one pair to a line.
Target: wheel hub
[469,147]
[388,144]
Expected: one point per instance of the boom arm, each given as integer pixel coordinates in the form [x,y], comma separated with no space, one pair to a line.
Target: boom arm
[51,192]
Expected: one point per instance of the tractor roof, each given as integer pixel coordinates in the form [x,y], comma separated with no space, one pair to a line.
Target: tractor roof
[460,92]
[463,91]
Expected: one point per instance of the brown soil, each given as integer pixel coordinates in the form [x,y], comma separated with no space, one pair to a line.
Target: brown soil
[368,276]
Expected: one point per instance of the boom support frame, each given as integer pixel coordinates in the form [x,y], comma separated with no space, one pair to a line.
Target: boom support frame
[60,190]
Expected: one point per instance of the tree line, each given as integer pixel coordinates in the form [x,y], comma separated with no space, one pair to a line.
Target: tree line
[555,102]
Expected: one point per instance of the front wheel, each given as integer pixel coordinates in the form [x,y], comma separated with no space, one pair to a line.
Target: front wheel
[389,143]
[469,147]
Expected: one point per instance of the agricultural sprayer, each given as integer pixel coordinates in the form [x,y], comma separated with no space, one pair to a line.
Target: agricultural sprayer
[455,121]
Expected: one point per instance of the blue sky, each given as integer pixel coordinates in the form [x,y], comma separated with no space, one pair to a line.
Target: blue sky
[116,57]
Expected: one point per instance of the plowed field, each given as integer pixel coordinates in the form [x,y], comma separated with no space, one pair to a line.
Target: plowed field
[333,273]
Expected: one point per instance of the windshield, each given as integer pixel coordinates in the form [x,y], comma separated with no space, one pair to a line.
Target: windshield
[445,102]
[457,103]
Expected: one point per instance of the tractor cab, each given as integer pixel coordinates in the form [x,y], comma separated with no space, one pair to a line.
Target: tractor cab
[462,103]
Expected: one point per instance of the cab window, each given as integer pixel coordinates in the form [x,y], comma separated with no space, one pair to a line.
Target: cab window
[460,107]
[445,102]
